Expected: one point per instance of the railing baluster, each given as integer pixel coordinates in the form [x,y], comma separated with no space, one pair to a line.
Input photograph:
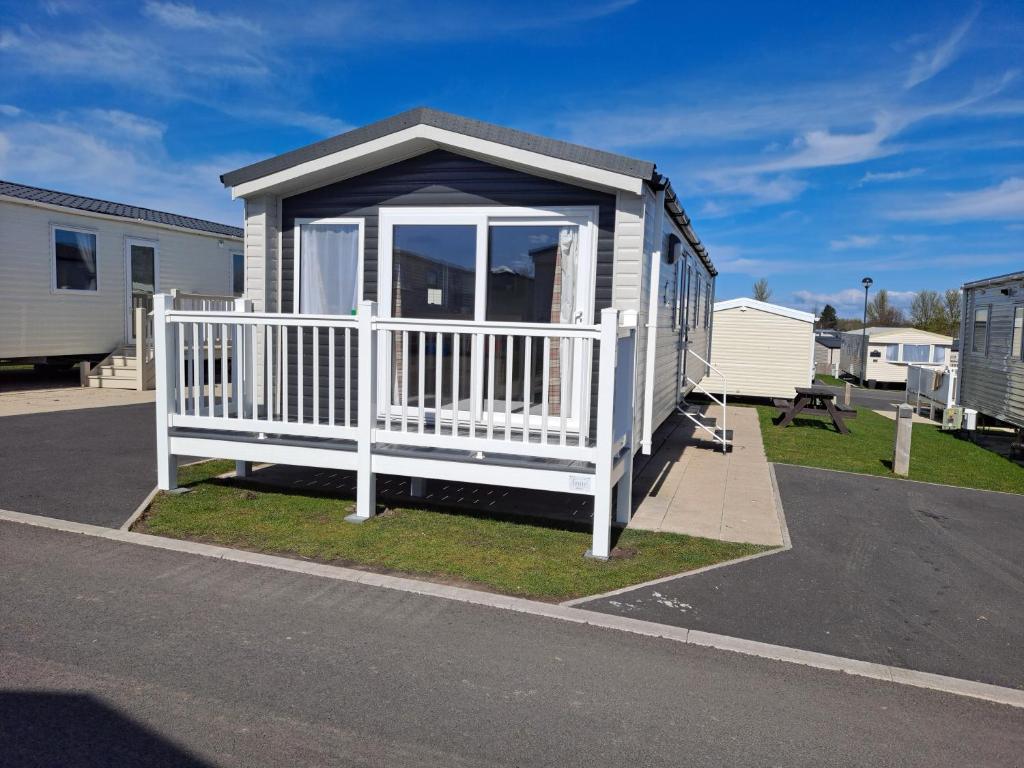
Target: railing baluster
[422,382]
[224,370]
[331,389]
[300,389]
[405,381]
[211,370]
[490,387]
[268,363]
[195,370]
[316,375]
[473,383]
[545,386]
[456,352]
[255,374]
[238,368]
[284,374]
[438,391]
[527,382]
[508,387]
[586,390]
[179,338]
[348,376]
[564,353]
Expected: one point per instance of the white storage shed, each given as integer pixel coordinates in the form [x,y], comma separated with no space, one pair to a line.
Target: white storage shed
[762,349]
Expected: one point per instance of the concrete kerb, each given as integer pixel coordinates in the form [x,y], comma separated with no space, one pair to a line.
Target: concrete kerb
[894,479]
[968,688]
[133,518]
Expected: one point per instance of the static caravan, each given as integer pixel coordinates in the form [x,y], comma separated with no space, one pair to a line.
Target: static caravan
[439,297]
[74,269]
[762,350]
[991,363]
[827,348]
[890,351]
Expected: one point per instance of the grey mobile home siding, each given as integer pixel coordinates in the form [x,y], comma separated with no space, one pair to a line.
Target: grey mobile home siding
[992,382]
[437,178]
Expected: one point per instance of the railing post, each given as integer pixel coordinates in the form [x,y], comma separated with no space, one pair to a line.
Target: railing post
[366,410]
[164,360]
[600,547]
[140,348]
[244,367]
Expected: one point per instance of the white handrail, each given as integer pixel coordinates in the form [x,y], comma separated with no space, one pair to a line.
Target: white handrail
[725,413]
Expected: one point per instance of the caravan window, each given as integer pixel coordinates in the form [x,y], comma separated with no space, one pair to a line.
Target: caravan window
[74,260]
[1017,342]
[939,354]
[916,353]
[892,353]
[238,274]
[707,305]
[979,335]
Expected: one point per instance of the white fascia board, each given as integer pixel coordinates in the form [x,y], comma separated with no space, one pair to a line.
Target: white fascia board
[775,309]
[426,136]
[111,217]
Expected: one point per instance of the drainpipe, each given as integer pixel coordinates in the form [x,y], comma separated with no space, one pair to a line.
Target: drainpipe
[652,322]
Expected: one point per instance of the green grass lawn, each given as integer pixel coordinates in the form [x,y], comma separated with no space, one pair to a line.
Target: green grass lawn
[514,556]
[825,378]
[935,456]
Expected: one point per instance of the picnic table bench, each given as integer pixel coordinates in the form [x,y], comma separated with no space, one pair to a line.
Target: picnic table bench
[814,401]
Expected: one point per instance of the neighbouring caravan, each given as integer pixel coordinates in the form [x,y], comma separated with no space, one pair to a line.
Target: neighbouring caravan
[438,297]
[73,270]
[828,345]
[890,351]
[763,350]
[991,357]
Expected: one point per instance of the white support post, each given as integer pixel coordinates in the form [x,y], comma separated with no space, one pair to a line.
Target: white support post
[901,446]
[600,547]
[140,348]
[165,361]
[366,480]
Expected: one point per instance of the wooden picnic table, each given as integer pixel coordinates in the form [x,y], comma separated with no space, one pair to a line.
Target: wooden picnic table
[815,401]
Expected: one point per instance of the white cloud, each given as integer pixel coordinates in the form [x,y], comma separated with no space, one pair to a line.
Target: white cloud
[854,241]
[188,17]
[9,110]
[126,123]
[927,64]
[1000,201]
[871,178]
[849,302]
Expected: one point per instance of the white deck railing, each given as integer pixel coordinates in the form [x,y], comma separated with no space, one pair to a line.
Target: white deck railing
[442,389]
[934,385]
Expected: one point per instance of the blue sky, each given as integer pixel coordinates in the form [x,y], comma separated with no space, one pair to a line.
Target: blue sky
[810,145]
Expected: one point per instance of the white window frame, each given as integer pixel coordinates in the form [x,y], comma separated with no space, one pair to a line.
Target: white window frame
[483,217]
[129,241]
[297,253]
[54,226]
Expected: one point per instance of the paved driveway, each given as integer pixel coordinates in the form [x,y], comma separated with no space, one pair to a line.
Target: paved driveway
[94,465]
[915,575]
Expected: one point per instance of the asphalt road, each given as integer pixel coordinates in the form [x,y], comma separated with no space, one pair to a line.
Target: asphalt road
[94,465]
[876,399]
[914,575]
[113,654]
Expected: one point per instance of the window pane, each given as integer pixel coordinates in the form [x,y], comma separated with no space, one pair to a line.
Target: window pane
[916,353]
[939,354]
[979,336]
[433,277]
[892,352]
[1017,344]
[75,254]
[329,268]
[238,274]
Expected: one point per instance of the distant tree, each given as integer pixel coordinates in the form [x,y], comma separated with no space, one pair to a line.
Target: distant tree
[882,313]
[848,324]
[928,313]
[828,317]
[951,312]
[761,290]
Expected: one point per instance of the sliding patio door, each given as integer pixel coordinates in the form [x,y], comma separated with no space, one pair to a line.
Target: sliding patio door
[502,265]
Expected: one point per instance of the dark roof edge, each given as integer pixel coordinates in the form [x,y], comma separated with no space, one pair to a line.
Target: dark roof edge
[994,280]
[563,150]
[26,193]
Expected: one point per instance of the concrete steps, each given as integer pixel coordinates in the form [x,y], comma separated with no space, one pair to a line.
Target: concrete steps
[118,371]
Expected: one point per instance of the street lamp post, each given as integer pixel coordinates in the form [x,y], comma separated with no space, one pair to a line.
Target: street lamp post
[866,282]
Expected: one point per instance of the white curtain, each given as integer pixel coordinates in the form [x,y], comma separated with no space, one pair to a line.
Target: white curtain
[568,260]
[329,269]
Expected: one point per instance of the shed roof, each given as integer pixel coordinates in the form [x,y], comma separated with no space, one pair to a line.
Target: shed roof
[888,331]
[829,341]
[764,306]
[108,208]
[1009,278]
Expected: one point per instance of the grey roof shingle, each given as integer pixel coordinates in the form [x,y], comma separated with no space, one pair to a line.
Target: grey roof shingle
[562,150]
[94,205]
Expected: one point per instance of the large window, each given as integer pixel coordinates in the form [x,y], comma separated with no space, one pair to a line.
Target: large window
[74,254]
[939,353]
[979,333]
[916,353]
[892,353]
[1017,340]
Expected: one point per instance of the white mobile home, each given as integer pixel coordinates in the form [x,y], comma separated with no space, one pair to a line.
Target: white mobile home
[890,351]
[439,297]
[73,269]
[762,349]
[991,362]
